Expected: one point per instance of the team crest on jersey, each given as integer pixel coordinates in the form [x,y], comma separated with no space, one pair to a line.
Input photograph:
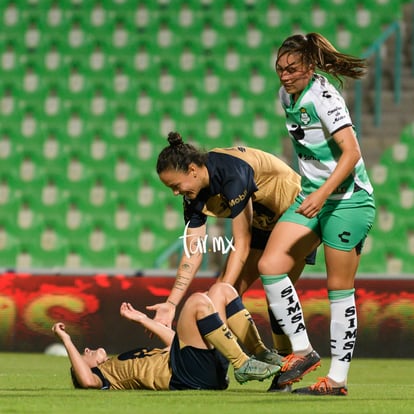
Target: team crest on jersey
[304,116]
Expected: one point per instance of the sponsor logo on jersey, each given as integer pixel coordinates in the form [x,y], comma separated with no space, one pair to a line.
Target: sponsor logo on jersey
[304,116]
[238,199]
[334,111]
[297,132]
[308,157]
[338,118]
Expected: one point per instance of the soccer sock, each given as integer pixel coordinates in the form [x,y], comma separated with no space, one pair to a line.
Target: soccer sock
[343,332]
[284,303]
[217,334]
[281,341]
[242,325]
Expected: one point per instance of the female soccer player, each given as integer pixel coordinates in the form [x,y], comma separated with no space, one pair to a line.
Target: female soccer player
[196,357]
[335,207]
[251,187]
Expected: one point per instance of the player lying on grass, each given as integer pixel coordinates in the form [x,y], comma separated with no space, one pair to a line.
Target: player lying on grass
[197,356]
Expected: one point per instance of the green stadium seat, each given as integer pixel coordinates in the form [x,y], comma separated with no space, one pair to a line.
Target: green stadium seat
[8,255]
[151,243]
[387,11]
[11,67]
[190,56]
[12,17]
[8,192]
[338,7]
[373,259]
[172,217]
[102,259]
[9,101]
[7,147]
[56,17]
[126,258]
[144,60]
[28,167]
[101,62]
[100,101]
[52,197]
[49,249]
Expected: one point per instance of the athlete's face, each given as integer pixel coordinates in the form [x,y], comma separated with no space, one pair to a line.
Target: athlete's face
[188,184]
[293,73]
[94,357]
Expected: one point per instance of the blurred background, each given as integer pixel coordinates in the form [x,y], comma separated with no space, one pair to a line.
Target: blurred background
[91,88]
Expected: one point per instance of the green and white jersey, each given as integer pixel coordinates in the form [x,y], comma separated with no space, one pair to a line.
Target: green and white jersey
[311,121]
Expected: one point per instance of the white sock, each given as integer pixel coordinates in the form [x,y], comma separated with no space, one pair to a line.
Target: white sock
[343,333]
[286,308]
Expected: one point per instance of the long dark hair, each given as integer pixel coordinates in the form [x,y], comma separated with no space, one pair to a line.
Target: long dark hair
[178,155]
[316,50]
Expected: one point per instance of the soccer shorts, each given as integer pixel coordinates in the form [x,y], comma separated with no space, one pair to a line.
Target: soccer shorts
[341,224]
[197,369]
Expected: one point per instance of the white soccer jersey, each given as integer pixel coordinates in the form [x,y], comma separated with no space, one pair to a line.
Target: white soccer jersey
[311,121]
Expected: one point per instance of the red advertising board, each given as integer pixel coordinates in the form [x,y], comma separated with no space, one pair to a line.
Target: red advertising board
[89,305]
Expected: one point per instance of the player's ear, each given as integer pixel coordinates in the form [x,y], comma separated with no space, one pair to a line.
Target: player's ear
[192,168]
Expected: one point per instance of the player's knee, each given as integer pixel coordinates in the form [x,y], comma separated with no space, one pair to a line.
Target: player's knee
[264,265]
[223,291]
[198,300]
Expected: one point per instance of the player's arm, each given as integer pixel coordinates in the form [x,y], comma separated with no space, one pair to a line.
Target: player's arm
[85,377]
[189,265]
[241,229]
[163,332]
[347,142]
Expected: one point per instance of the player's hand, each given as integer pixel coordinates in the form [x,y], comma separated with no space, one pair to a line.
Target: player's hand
[312,205]
[59,330]
[164,313]
[129,312]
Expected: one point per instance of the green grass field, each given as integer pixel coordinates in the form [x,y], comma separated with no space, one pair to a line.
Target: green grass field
[36,383]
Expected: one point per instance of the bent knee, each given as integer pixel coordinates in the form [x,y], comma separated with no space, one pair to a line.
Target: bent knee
[265,266]
[222,287]
[198,301]
[275,265]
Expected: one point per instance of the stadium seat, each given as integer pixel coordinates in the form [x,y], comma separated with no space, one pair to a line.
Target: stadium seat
[8,192]
[151,243]
[102,259]
[9,242]
[373,258]
[387,11]
[8,257]
[48,251]
[92,88]
[74,216]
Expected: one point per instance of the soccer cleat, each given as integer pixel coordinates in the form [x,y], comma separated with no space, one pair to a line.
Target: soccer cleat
[322,387]
[295,367]
[253,369]
[270,356]
[275,387]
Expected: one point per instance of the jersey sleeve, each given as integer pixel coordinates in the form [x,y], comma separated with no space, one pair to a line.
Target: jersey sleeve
[332,111]
[195,218]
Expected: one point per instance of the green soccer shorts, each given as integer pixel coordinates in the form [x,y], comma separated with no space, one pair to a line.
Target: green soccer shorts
[341,224]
